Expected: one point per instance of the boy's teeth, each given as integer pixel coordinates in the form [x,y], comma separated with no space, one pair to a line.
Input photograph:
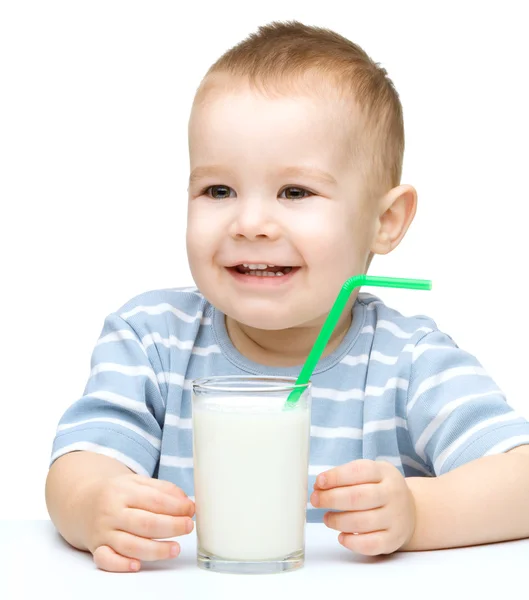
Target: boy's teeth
[252,266]
[260,270]
[265,273]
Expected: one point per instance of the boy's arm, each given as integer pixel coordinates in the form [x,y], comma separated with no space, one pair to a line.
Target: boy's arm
[77,470]
[461,427]
[483,501]
[68,490]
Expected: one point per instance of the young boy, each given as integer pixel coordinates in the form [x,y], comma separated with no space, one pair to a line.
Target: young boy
[296,144]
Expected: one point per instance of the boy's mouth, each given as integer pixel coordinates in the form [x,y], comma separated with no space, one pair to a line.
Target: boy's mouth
[262,270]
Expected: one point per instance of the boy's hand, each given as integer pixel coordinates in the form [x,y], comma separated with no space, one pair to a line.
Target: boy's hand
[126,514]
[378,508]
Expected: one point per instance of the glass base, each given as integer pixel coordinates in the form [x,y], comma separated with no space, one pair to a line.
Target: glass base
[251,567]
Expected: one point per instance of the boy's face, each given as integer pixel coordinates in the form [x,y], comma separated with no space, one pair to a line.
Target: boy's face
[272,183]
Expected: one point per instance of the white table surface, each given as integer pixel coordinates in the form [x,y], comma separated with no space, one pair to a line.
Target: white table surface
[35,562]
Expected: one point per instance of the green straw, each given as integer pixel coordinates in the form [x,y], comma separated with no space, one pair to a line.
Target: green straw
[334,316]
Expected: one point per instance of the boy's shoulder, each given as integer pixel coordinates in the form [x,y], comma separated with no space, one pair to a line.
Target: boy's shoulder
[402,329]
[166,311]
[158,300]
[413,345]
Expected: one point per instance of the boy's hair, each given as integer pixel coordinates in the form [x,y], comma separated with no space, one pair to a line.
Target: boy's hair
[280,56]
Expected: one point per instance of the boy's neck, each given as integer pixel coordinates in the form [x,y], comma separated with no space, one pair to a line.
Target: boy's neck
[285,347]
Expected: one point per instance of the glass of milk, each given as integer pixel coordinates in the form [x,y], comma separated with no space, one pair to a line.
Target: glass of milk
[250,454]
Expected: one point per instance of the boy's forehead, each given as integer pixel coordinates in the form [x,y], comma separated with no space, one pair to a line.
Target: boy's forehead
[220,89]
[230,110]
[318,95]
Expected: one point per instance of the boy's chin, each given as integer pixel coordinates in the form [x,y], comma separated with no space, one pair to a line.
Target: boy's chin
[266,322]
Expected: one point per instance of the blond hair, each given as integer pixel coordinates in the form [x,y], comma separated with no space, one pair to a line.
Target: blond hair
[281,55]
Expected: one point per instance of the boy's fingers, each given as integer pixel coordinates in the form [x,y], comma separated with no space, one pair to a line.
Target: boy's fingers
[155,501]
[108,560]
[353,473]
[150,525]
[364,521]
[353,497]
[161,484]
[370,544]
[140,548]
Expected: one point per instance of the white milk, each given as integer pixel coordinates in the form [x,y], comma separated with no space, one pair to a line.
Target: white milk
[251,472]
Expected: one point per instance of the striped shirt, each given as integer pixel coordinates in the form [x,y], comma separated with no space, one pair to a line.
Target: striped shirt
[396,389]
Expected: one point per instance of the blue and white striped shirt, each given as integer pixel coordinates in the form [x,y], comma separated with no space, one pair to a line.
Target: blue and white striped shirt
[396,389]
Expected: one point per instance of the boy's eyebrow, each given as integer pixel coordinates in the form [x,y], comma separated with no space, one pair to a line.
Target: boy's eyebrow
[217,170]
[309,172]
[200,172]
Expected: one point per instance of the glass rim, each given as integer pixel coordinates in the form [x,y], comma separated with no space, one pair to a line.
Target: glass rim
[221,383]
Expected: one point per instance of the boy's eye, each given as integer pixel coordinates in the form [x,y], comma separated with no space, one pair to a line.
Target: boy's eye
[218,192]
[221,192]
[295,193]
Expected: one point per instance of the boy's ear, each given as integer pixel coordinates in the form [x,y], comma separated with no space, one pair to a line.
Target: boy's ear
[396,212]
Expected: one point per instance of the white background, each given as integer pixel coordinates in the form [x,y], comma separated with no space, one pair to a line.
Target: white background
[94,102]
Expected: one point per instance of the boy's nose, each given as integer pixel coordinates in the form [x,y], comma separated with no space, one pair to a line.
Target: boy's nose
[254,220]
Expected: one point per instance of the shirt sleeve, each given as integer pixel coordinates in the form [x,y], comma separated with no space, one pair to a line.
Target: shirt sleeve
[455,411]
[122,408]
